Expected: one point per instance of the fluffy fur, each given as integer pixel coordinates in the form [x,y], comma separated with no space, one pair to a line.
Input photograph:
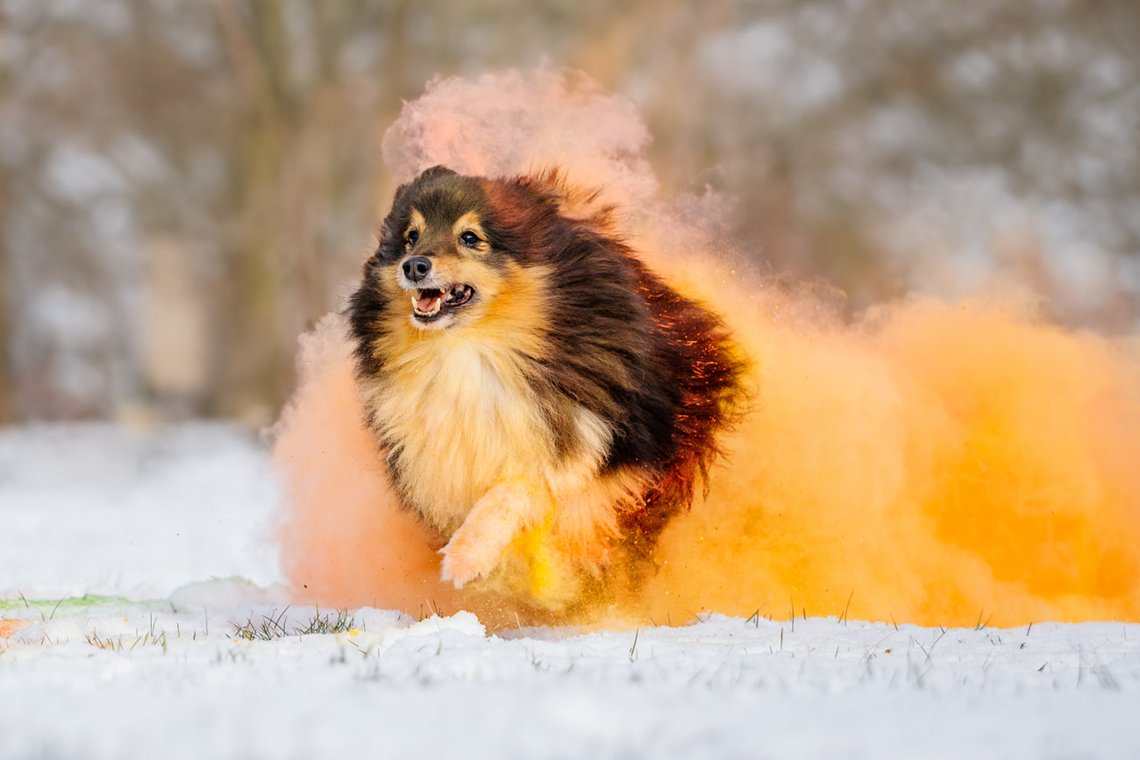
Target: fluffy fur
[544,402]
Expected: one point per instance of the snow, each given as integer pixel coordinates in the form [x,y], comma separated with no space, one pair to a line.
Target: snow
[102,510]
[169,531]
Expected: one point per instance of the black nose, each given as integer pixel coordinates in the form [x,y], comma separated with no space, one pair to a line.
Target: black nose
[417,268]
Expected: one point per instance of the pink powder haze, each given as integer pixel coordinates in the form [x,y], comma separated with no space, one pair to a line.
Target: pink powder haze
[929,462]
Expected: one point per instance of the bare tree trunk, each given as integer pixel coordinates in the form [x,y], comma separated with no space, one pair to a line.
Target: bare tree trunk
[284,176]
[7,375]
[7,337]
[256,367]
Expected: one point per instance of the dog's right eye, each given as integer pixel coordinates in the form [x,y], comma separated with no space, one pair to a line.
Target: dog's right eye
[413,236]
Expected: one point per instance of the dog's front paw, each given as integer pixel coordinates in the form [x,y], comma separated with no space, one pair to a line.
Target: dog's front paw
[475,550]
[463,562]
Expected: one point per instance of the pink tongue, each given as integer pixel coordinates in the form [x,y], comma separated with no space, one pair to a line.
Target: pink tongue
[427,303]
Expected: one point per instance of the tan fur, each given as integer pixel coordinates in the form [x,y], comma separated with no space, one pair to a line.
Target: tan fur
[459,399]
[416,223]
[470,222]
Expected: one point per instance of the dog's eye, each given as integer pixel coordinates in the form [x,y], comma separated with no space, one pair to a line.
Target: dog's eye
[413,236]
[469,239]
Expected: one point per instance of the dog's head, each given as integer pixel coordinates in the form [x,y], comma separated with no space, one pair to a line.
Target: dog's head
[451,248]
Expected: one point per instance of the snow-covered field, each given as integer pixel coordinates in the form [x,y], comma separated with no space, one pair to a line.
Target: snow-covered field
[168,534]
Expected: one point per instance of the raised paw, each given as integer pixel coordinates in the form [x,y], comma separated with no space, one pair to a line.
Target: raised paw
[465,561]
[475,549]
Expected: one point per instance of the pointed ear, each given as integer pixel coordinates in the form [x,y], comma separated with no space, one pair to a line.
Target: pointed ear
[402,191]
[575,202]
[435,171]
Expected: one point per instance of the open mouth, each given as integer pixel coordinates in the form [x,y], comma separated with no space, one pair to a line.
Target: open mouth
[430,304]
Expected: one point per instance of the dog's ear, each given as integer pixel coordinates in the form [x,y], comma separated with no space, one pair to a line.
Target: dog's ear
[404,191]
[434,171]
[575,202]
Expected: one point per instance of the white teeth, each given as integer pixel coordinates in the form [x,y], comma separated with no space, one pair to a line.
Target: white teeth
[436,305]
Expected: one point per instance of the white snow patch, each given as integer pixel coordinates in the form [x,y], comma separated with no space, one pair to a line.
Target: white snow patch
[154,516]
[102,510]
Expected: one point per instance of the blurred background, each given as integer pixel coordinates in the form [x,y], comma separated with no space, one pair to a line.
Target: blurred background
[185,186]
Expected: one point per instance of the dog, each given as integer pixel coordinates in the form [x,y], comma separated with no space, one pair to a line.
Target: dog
[544,402]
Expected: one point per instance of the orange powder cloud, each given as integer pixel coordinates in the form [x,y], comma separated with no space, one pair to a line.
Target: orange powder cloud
[935,464]
[931,462]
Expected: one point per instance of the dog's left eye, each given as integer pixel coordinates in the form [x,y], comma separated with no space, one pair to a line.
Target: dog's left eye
[469,239]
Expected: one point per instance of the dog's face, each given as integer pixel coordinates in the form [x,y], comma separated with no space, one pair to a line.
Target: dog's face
[441,259]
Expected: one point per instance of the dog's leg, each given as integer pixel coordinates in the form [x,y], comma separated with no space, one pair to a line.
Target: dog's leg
[476,548]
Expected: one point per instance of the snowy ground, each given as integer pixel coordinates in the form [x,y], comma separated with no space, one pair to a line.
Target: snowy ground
[167,534]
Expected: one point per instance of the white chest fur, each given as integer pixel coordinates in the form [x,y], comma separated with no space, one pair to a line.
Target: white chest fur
[461,418]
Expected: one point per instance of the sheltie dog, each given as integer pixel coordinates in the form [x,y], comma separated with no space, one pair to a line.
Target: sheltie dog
[544,402]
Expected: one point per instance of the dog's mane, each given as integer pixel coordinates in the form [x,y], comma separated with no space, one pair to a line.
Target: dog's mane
[629,347]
